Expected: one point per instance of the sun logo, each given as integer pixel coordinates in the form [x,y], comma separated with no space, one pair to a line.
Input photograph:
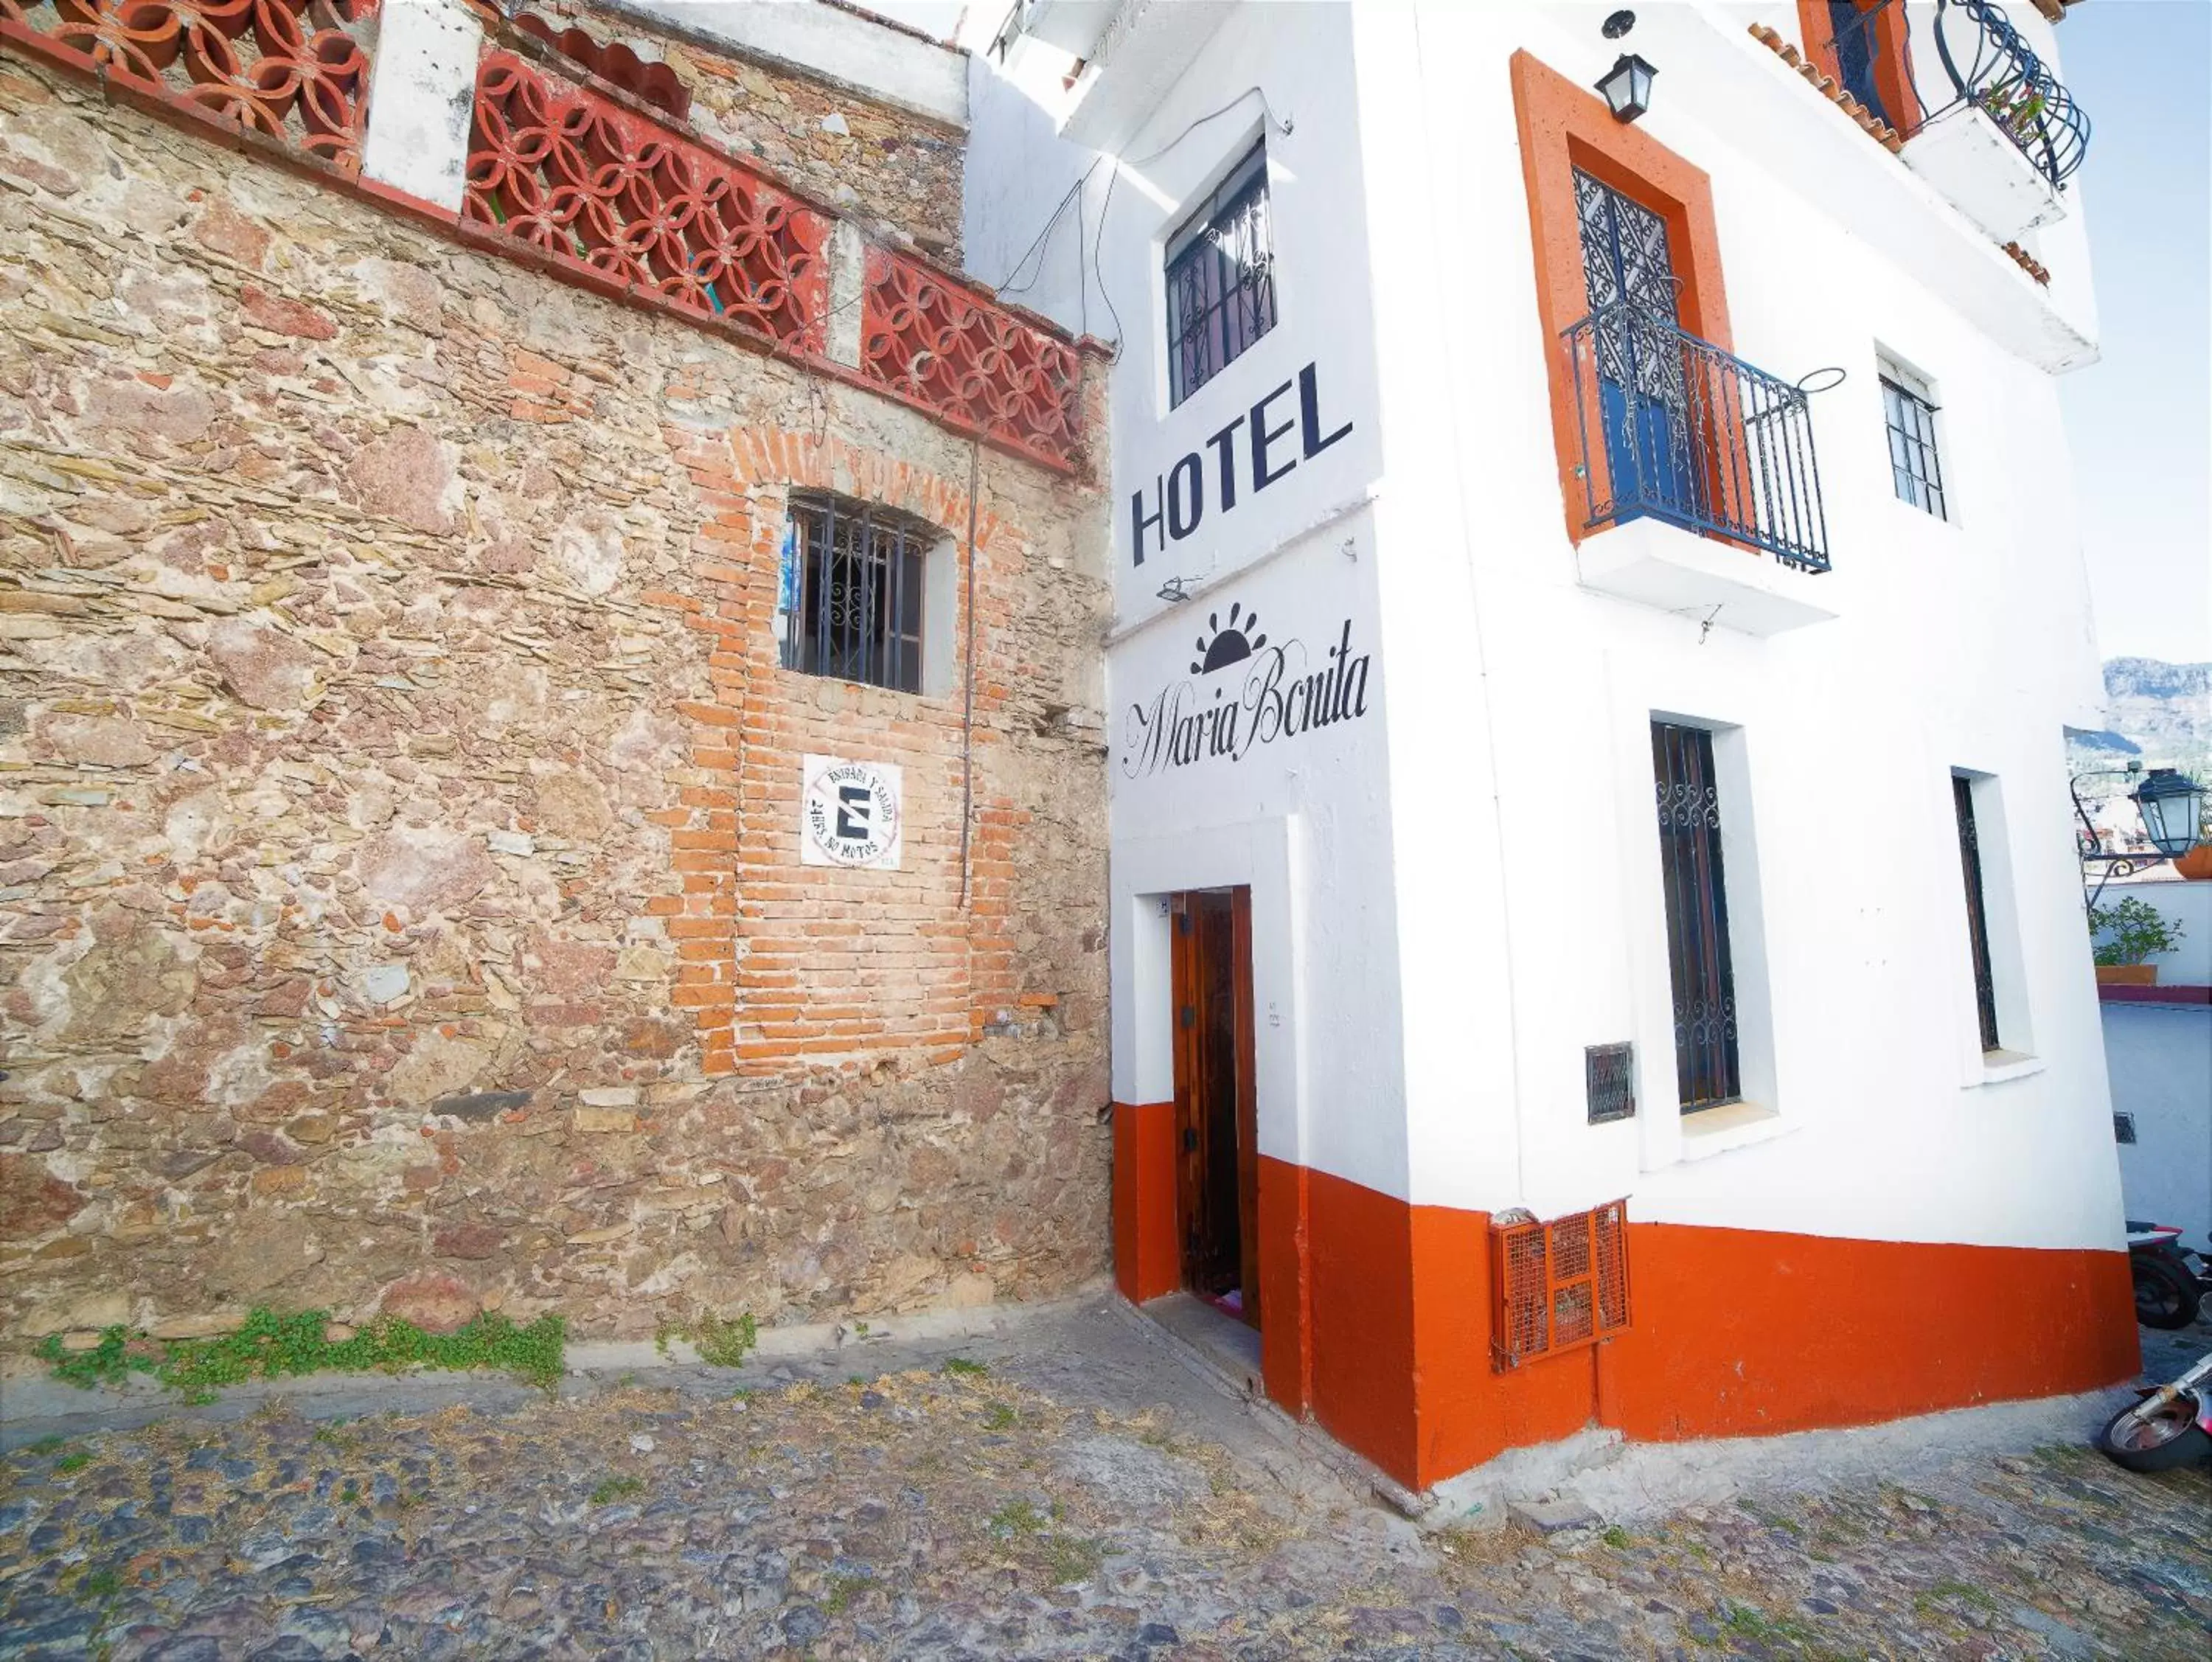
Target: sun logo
[1232,645]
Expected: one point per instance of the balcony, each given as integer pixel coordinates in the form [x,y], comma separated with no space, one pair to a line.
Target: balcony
[1694,465]
[1982,118]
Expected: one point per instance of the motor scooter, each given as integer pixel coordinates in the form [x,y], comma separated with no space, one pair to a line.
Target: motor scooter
[2169,1281]
[2171,1427]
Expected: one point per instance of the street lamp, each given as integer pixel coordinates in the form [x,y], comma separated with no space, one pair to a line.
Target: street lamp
[1628,87]
[2172,805]
[2173,809]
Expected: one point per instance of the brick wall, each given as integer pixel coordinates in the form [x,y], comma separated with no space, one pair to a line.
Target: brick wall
[398,793]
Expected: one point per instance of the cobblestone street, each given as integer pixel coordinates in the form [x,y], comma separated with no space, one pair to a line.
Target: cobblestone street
[1069,1490]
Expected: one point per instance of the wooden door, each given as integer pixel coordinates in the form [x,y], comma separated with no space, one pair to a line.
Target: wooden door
[1215,1110]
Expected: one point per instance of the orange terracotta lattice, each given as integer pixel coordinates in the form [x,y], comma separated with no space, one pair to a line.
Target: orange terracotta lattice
[291,69]
[1558,1285]
[566,171]
[977,364]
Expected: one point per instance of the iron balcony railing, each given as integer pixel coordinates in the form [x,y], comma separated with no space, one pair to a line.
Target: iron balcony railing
[1673,428]
[1986,62]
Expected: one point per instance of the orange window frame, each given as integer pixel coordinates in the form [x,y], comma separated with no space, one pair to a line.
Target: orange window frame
[1563,126]
[1890,77]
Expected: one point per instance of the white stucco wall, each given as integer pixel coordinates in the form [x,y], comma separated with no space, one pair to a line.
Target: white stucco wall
[868,55]
[1469,873]
[1957,645]
[2160,1056]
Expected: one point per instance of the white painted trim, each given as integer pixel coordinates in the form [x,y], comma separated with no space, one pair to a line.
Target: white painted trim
[422,98]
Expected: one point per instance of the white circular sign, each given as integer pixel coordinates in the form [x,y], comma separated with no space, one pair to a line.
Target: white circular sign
[851,814]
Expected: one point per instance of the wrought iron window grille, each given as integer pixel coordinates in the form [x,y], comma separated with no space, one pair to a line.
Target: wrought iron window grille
[1915,463]
[2123,1127]
[849,592]
[1675,429]
[1977,918]
[1220,279]
[1701,967]
[1986,62]
[1610,1082]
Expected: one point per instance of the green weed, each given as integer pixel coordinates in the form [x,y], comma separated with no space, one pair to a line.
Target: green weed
[76,1462]
[719,1342]
[998,1416]
[44,1446]
[960,1366]
[270,1346]
[839,1592]
[616,1488]
[1073,1558]
[1615,1537]
[1017,1517]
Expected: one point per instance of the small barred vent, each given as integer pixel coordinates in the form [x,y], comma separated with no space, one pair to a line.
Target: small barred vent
[1558,1285]
[1610,1074]
[2124,1127]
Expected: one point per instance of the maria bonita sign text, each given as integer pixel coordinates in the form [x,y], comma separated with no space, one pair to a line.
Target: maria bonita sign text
[1280,693]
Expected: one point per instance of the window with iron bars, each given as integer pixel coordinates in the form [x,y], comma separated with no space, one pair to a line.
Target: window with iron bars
[1914,464]
[1221,285]
[1978,917]
[850,601]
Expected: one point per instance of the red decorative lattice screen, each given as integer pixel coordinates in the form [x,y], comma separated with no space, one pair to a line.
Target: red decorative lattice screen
[1558,1285]
[979,365]
[288,68]
[566,171]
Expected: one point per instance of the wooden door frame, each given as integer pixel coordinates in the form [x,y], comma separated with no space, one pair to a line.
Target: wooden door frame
[1248,1102]
[1184,977]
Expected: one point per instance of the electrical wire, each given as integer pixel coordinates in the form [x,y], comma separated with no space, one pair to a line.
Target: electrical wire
[968,691]
[1073,192]
[1267,115]
[1038,244]
[1096,243]
[1265,109]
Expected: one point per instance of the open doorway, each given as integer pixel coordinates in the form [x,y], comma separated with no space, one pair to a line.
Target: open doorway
[1217,1114]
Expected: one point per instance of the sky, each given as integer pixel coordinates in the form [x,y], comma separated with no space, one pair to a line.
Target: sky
[2139,422]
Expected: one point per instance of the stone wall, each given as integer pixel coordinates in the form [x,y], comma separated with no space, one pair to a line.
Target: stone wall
[841,146]
[398,793]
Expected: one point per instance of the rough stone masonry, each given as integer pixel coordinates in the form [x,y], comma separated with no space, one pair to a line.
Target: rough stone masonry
[400,899]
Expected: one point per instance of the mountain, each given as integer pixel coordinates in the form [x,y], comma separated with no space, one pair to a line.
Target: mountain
[2166,709]
[2157,713]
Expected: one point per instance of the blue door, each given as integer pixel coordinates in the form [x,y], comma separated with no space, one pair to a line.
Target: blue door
[1646,391]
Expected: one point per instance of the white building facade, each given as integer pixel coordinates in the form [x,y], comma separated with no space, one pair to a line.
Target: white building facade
[2158,1049]
[1595,934]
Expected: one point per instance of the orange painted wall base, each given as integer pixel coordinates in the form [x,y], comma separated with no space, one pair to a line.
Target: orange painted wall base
[1378,1318]
[1738,1332]
[1147,1262]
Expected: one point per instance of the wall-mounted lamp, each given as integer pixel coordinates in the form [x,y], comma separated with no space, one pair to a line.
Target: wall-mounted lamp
[2173,808]
[2172,805]
[1628,87]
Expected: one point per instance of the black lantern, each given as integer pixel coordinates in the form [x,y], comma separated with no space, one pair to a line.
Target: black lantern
[2173,808]
[1628,87]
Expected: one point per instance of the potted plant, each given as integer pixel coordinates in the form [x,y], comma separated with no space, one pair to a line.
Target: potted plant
[2197,862]
[2123,935]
